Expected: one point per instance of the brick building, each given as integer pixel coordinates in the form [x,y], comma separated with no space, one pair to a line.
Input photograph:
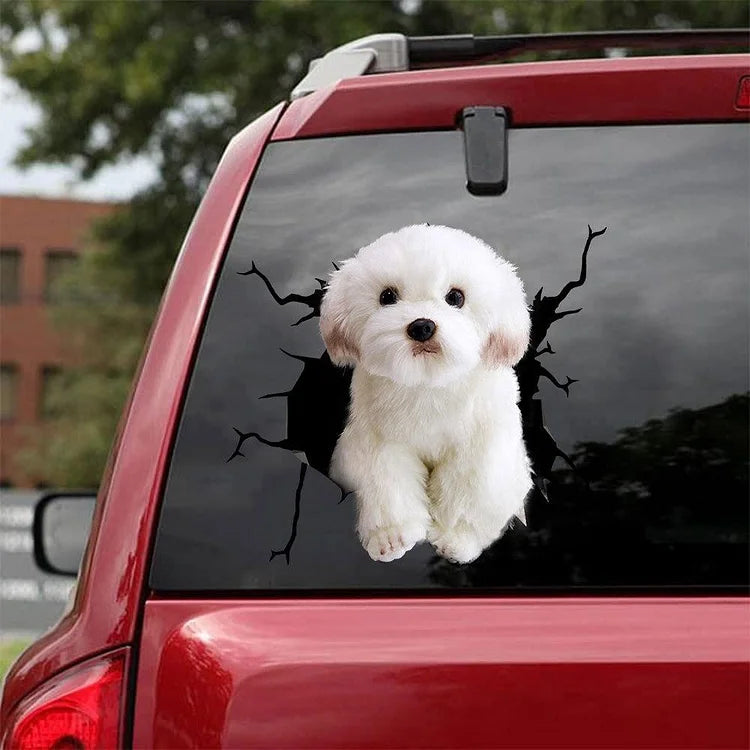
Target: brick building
[39,240]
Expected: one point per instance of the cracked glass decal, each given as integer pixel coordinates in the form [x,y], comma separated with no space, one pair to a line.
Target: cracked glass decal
[316,406]
[312,432]
[637,434]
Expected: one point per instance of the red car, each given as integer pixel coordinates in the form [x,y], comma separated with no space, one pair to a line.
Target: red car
[224,599]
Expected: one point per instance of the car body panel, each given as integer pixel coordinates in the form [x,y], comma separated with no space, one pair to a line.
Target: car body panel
[639,89]
[447,672]
[116,559]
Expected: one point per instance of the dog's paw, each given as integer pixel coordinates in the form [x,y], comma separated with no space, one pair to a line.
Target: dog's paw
[387,543]
[455,545]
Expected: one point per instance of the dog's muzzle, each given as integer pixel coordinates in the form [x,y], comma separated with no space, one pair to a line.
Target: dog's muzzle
[421,329]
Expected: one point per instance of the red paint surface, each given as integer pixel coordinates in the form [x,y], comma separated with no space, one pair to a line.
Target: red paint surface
[578,92]
[444,673]
[113,574]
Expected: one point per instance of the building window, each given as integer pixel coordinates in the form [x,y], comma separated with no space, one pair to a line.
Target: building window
[10,275]
[57,263]
[8,391]
[49,402]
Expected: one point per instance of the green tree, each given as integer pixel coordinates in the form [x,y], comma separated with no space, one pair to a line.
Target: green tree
[174,81]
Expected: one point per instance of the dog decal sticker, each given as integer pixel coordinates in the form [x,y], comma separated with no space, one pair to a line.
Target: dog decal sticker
[318,404]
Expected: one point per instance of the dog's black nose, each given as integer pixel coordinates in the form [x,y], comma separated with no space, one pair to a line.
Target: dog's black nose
[421,329]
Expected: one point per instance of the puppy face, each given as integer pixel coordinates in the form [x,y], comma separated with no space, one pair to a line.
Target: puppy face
[424,306]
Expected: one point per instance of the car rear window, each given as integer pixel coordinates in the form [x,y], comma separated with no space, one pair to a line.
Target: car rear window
[635,407]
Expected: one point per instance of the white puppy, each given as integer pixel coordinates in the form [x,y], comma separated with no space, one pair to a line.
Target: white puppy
[432,322]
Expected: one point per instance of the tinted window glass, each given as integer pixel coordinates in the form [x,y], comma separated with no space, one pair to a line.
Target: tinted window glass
[8,391]
[10,275]
[57,263]
[636,421]
[50,398]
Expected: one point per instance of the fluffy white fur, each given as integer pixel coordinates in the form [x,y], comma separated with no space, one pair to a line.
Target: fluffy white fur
[433,445]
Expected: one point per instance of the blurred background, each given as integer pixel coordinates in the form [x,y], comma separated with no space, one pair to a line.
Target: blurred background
[113,116]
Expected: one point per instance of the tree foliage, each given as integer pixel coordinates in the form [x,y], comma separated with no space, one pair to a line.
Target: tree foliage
[173,81]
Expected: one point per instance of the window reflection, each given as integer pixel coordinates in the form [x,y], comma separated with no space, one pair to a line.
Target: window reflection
[667,501]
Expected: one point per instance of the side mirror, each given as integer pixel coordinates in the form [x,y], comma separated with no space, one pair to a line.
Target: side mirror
[62,522]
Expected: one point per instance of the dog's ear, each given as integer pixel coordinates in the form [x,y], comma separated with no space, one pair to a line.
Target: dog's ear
[509,323]
[504,349]
[506,345]
[341,347]
[342,351]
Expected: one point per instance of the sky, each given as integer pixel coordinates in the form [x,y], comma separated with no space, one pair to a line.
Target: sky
[118,182]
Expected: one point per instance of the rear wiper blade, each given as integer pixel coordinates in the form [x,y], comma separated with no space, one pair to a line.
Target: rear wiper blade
[426,50]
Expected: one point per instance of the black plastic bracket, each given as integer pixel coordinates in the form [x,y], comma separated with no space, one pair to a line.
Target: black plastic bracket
[486,149]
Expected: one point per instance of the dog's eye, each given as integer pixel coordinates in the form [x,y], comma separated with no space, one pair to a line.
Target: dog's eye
[388,296]
[455,298]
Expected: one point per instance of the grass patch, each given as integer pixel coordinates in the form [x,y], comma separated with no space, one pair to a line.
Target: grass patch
[9,650]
